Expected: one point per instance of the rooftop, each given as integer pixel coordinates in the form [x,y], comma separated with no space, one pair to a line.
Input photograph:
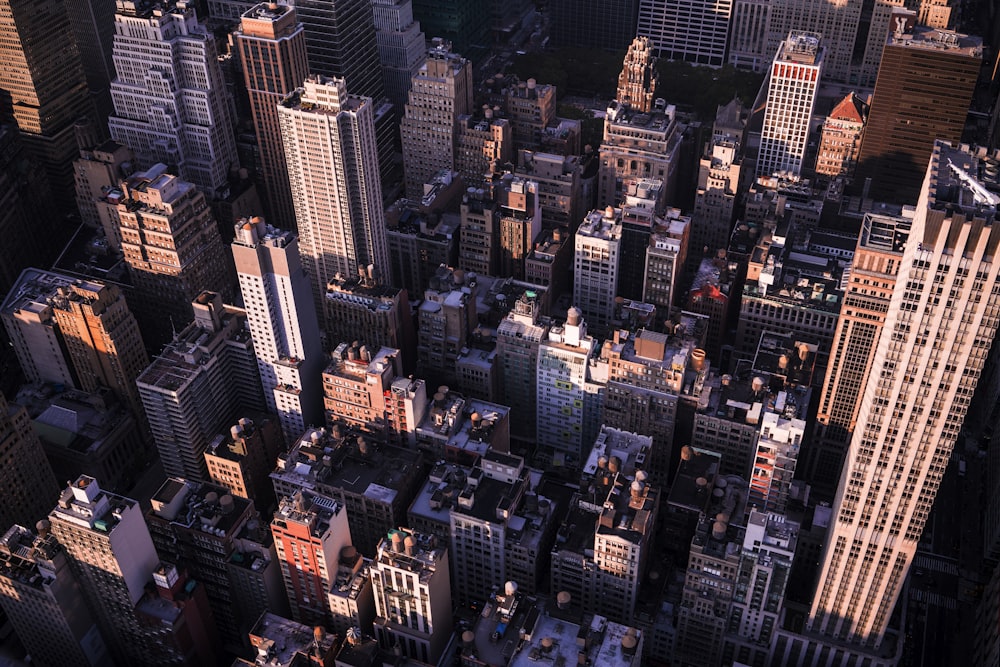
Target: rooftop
[280,641]
[199,506]
[938,39]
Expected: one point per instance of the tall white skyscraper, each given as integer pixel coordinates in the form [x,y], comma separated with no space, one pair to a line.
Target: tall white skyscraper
[283,324]
[170,100]
[939,326]
[690,30]
[791,95]
[332,157]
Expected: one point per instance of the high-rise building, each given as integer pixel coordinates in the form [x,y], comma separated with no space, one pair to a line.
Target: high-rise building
[309,534]
[638,145]
[272,48]
[171,103]
[44,83]
[925,369]
[93,23]
[198,384]
[595,267]
[562,398]
[924,87]
[531,107]
[482,144]
[330,150]
[758,28]
[642,202]
[791,96]
[75,332]
[519,336]
[715,200]
[520,223]
[341,44]
[27,485]
[172,248]
[598,24]
[664,263]
[639,76]
[446,319]
[692,30]
[412,587]
[36,582]
[113,558]
[463,23]
[873,277]
[354,305]
[99,169]
[282,320]
[401,48]
[479,244]
[355,384]
[441,91]
[560,190]
[840,138]
[243,459]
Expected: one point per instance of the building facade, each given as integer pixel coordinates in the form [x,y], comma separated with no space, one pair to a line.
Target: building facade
[694,31]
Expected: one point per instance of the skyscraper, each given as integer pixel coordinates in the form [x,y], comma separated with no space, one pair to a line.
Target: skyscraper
[401,48]
[93,24]
[691,30]
[598,24]
[791,95]
[441,92]
[924,87]
[172,248]
[940,324]
[639,77]
[330,150]
[272,49]
[283,324]
[27,485]
[171,105]
[44,84]
[595,267]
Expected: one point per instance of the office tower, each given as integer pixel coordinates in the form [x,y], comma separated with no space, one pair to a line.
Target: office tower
[26,479]
[282,321]
[113,558]
[36,582]
[666,254]
[309,534]
[694,31]
[519,336]
[605,540]
[98,169]
[520,223]
[599,24]
[401,48]
[562,398]
[560,191]
[479,243]
[464,24]
[638,145]
[758,28]
[75,332]
[172,248]
[29,224]
[922,94]
[641,203]
[354,305]
[923,377]
[595,267]
[840,138]
[482,145]
[530,107]
[715,200]
[445,321]
[329,139]
[242,459]
[171,104]
[374,482]
[340,41]
[93,24]
[354,386]
[876,262]
[639,76]
[45,87]
[791,96]
[90,433]
[441,92]
[272,48]
[412,587]
[198,384]
[203,526]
